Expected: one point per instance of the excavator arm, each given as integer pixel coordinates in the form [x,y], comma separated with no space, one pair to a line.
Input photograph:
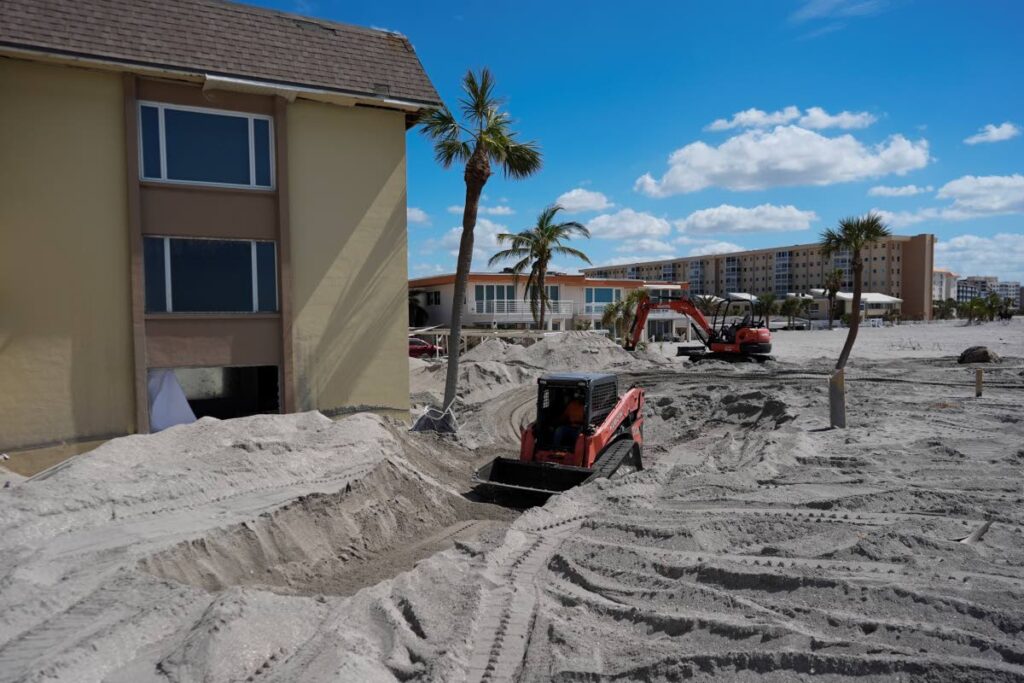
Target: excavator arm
[684,306]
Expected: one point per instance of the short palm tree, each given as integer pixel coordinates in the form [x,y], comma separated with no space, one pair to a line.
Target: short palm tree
[534,248]
[618,316]
[483,137]
[833,285]
[705,303]
[767,304]
[853,234]
[945,310]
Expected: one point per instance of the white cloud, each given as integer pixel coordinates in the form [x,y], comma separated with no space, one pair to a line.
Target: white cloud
[818,118]
[645,245]
[628,223]
[786,155]
[736,219]
[973,197]
[1001,255]
[813,117]
[417,216]
[578,199]
[993,133]
[423,269]
[756,118]
[637,258]
[901,191]
[484,210]
[485,241]
[829,9]
[706,247]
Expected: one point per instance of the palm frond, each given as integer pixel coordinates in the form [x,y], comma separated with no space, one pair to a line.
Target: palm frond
[479,100]
[439,124]
[522,159]
[569,251]
[447,152]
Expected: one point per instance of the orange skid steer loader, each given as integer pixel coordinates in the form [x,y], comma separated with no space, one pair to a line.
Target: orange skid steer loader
[584,430]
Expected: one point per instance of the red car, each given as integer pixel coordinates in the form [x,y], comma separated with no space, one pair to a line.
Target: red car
[419,348]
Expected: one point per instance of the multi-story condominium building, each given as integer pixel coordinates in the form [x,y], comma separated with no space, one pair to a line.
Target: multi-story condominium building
[198,187]
[943,284]
[898,266]
[1009,291]
[967,290]
[498,301]
[983,283]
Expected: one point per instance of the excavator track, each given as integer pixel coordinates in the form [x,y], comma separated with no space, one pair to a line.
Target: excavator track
[614,457]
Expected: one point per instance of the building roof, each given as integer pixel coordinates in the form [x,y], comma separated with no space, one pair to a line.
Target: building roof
[222,39]
[551,279]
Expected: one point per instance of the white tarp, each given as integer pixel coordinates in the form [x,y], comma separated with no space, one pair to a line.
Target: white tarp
[167,403]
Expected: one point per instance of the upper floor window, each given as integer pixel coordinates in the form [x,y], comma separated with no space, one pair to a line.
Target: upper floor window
[205,146]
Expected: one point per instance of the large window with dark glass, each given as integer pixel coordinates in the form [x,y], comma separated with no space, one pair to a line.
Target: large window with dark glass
[210,276]
[205,146]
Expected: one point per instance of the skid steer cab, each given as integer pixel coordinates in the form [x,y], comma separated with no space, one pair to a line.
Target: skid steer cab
[583,430]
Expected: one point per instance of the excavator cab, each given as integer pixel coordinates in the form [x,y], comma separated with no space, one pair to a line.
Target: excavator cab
[727,332]
[583,430]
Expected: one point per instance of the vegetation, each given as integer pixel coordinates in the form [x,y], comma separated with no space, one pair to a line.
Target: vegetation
[705,303]
[618,316]
[833,283]
[767,304]
[944,310]
[853,234]
[534,248]
[483,137]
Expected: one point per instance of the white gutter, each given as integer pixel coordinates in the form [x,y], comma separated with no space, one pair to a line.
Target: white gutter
[211,82]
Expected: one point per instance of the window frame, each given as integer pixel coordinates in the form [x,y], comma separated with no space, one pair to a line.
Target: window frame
[169,295]
[162,139]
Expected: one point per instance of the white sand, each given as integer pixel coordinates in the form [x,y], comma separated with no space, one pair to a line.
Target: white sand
[756,546]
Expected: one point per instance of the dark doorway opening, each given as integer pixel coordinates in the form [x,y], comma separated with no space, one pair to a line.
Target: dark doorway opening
[228,392]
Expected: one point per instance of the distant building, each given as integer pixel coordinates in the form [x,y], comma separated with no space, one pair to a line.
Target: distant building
[967,290]
[497,301]
[943,284]
[899,266]
[1009,290]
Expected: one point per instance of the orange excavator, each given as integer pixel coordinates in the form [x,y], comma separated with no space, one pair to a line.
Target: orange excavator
[745,339]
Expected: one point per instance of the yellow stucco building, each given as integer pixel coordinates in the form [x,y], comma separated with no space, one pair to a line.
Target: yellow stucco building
[224,207]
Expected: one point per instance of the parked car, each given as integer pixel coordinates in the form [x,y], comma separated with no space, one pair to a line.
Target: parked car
[419,348]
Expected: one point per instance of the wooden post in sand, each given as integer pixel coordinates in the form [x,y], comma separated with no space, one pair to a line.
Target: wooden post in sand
[979,376]
[837,399]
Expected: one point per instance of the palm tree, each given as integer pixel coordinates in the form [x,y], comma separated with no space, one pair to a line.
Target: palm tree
[767,304]
[534,249]
[833,283]
[705,303]
[853,234]
[788,308]
[484,136]
[618,316]
[945,309]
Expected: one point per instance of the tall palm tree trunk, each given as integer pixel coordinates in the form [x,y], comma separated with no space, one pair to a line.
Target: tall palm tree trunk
[477,172]
[851,337]
[542,294]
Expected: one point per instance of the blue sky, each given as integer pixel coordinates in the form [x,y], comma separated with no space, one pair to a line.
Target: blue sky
[849,105]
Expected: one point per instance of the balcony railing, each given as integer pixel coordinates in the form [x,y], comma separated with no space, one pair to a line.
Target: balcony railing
[516,307]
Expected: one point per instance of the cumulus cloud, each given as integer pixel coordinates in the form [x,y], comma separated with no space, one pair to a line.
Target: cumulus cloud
[993,133]
[628,223]
[485,241]
[707,247]
[578,199]
[737,219]
[645,245]
[818,118]
[900,191]
[484,210]
[1001,255]
[756,118]
[423,269]
[815,117]
[637,258]
[417,216]
[972,197]
[786,155]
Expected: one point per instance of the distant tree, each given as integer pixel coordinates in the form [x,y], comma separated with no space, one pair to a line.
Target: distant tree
[803,309]
[788,308]
[944,310]
[705,303]
[417,314]
[484,136]
[618,316]
[767,304]
[833,284]
[853,234]
[534,249]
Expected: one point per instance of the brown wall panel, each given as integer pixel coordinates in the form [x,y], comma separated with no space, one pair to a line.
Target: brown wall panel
[205,341]
[200,212]
[195,96]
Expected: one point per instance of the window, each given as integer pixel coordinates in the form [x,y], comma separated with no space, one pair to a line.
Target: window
[597,297]
[210,276]
[433,298]
[205,146]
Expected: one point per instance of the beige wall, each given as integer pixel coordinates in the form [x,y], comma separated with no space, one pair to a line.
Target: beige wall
[65,335]
[346,173]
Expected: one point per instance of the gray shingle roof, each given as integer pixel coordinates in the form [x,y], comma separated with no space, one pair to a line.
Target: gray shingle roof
[225,39]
